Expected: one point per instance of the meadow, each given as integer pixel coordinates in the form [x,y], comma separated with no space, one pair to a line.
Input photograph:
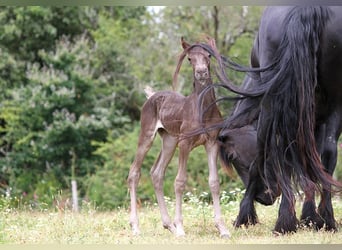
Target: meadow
[93,226]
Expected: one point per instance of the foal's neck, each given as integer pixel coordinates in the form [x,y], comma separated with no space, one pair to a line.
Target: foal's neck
[200,86]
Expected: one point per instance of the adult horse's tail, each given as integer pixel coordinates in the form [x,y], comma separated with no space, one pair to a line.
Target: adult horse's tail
[287,118]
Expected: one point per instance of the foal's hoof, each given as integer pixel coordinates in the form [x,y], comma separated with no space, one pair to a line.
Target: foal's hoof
[135,231]
[224,233]
[171,228]
[180,232]
[225,236]
[180,235]
[177,231]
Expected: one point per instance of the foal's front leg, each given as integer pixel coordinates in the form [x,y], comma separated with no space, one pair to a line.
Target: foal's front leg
[179,186]
[214,184]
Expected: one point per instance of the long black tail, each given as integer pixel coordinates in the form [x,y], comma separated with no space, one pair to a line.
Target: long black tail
[287,116]
[286,139]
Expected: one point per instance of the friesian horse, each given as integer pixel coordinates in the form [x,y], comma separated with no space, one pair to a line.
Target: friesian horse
[293,100]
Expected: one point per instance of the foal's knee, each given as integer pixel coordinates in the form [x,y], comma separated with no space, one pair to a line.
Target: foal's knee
[179,184]
[157,178]
[133,177]
[214,184]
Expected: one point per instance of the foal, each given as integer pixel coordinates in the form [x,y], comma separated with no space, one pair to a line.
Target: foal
[174,117]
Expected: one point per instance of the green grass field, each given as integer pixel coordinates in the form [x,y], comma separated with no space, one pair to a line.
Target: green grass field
[91,226]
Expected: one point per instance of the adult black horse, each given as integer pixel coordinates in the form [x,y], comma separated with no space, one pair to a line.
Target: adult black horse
[295,105]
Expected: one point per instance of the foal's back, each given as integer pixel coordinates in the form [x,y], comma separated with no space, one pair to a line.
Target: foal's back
[171,111]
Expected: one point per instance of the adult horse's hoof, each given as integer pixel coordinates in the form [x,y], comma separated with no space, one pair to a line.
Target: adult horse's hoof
[314,221]
[247,220]
[286,225]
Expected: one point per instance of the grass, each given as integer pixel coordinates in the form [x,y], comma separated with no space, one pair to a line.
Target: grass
[91,226]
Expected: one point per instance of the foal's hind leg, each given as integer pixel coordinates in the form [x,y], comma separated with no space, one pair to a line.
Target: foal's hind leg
[179,185]
[158,173]
[146,138]
[214,184]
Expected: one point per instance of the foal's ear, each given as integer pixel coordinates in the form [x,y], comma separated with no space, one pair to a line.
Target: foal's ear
[185,45]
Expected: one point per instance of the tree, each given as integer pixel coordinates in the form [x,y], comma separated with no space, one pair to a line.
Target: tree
[34,28]
[62,104]
[73,81]
[52,115]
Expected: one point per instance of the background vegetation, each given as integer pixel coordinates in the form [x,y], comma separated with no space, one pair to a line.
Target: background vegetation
[72,81]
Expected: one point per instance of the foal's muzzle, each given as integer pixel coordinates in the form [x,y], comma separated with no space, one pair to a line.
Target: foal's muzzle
[201,75]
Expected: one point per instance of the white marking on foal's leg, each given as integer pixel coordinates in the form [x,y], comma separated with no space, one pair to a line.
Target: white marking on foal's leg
[148,91]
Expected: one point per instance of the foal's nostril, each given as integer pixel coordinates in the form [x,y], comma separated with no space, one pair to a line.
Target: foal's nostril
[202,72]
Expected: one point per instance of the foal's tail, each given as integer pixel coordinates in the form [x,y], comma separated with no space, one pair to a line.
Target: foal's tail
[149,91]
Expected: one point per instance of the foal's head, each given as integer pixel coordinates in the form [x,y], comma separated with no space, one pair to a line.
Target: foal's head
[199,59]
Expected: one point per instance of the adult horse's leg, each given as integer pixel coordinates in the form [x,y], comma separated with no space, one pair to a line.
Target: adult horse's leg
[287,221]
[157,174]
[309,216]
[146,137]
[326,211]
[247,214]
[214,184]
[329,159]
[179,185]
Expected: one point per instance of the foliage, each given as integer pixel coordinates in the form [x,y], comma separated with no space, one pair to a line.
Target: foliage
[52,118]
[34,28]
[72,82]
[57,103]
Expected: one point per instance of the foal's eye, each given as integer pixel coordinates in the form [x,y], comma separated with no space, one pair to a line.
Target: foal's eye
[189,59]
